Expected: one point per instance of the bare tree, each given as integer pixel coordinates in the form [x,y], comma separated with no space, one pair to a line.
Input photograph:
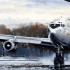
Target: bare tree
[4,30]
[33,30]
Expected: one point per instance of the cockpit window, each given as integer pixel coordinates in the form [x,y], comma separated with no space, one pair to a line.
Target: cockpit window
[54,25]
[62,25]
[59,22]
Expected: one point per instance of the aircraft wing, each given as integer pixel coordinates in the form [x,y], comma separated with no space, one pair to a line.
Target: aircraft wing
[23,39]
[34,40]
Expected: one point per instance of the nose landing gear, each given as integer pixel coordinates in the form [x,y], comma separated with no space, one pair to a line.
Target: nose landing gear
[59,60]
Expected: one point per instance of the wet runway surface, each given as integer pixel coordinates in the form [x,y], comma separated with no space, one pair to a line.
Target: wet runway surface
[29,58]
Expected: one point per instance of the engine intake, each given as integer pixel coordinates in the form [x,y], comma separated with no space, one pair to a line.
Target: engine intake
[9,45]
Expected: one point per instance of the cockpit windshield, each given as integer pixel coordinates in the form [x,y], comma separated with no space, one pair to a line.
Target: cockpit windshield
[62,25]
[54,25]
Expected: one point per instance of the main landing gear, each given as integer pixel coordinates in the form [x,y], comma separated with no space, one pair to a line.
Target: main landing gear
[59,60]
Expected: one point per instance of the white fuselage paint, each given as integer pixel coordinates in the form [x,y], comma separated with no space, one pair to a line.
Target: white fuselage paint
[62,33]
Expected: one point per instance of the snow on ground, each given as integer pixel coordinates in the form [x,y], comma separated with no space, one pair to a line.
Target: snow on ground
[21,61]
[26,62]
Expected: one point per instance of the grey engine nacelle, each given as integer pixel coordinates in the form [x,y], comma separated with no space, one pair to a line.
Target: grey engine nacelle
[8,45]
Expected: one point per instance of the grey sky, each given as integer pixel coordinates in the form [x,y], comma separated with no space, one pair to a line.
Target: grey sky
[18,11]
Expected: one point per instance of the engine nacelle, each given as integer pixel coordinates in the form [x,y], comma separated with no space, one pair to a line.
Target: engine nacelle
[9,45]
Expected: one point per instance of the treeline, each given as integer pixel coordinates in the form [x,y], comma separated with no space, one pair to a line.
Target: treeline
[32,30]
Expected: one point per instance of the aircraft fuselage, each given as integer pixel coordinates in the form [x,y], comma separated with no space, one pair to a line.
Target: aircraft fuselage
[61,31]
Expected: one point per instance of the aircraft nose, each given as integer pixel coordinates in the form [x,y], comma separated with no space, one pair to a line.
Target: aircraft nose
[52,31]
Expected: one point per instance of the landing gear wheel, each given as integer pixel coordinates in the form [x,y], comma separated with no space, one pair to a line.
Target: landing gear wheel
[59,60]
[58,63]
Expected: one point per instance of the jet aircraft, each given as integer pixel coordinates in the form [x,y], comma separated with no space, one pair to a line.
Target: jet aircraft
[58,37]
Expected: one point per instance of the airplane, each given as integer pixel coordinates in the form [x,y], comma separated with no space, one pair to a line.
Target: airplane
[58,37]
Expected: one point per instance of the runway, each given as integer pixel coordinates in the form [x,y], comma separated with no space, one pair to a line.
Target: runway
[25,58]
[38,63]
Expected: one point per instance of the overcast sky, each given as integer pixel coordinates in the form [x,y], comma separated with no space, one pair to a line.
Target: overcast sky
[18,11]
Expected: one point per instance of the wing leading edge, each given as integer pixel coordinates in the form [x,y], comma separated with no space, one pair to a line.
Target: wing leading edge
[22,39]
[34,40]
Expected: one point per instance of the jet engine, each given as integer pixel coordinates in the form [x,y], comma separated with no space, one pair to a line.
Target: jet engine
[8,46]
